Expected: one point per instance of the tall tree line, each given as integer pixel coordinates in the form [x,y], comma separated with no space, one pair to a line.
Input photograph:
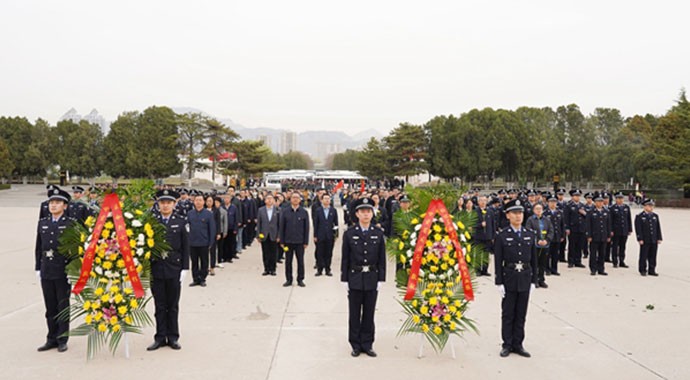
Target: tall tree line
[533,144]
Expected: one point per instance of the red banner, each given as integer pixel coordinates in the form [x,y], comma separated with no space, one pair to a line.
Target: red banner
[111,203]
[338,186]
[361,187]
[437,206]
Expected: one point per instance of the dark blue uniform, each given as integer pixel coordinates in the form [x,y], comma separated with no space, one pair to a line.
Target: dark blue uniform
[79,211]
[51,264]
[325,232]
[598,234]
[363,266]
[556,217]
[294,234]
[165,285]
[575,216]
[515,263]
[621,223]
[484,236]
[202,234]
[648,231]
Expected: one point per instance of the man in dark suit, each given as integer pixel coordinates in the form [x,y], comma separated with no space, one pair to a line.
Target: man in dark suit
[325,233]
[293,234]
[169,272]
[484,234]
[202,232]
[363,268]
[267,229]
[515,262]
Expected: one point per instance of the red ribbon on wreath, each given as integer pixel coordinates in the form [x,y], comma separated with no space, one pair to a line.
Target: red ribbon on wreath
[111,203]
[437,206]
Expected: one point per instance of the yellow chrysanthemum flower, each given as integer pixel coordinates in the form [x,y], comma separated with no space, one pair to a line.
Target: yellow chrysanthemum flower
[401,245]
[122,310]
[438,291]
[114,289]
[403,259]
[445,300]
[138,212]
[147,256]
[449,293]
[424,310]
[449,284]
[414,303]
[140,268]
[133,304]
[113,320]
[460,225]
[437,237]
[433,301]
[82,237]
[99,291]
[416,318]
[425,328]
[444,267]
[452,326]
[118,298]
[469,248]
[423,261]
[87,305]
[453,309]
[88,319]
[102,327]
[116,328]
[437,228]
[107,265]
[98,316]
[105,298]
[97,260]
[120,263]
[447,318]
[105,234]
[89,221]
[467,258]
[438,330]
[451,262]
[149,234]
[128,291]
[458,314]
[150,242]
[95,305]
[128,320]
[109,225]
[414,221]
[429,244]
[132,243]
[435,319]
[130,232]
[467,235]
[457,303]
[433,268]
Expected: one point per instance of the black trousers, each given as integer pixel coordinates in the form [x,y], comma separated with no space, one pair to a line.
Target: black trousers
[362,305]
[199,256]
[294,250]
[484,259]
[607,257]
[597,256]
[648,257]
[561,250]
[542,263]
[554,256]
[269,253]
[513,317]
[618,243]
[166,297]
[56,298]
[229,246]
[213,253]
[576,243]
[324,255]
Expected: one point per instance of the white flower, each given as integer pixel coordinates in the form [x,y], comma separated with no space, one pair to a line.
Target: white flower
[442,277]
[99,270]
[140,239]
[413,242]
[413,236]
[450,272]
[136,223]
[462,237]
[128,215]
[418,227]
[421,274]
[108,274]
[136,262]
[409,253]
[432,276]
[116,274]
[140,251]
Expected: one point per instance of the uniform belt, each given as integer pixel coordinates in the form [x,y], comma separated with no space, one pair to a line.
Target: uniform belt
[364,268]
[518,267]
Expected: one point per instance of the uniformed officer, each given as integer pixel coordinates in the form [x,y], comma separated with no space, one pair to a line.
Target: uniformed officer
[648,231]
[363,269]
[589,206]
[50,268]
[484,234]
[44,210]
[574,217]
[78,208]
[560,194]
[556,217]
[598,234]
[169,272]
[516,276]
[621,224]
[94,204]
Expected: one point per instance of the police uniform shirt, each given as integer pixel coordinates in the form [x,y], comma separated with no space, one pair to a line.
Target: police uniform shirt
[621,219]
[363,261]
[48,260]
[598,225]
[648,227]
[515,259]
[177,258]
[573,218]
[556,217]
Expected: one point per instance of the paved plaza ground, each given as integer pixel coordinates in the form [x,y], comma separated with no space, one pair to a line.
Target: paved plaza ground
[245,326]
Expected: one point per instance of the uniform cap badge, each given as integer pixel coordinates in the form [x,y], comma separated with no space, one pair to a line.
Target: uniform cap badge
[365,201]
[517,203]
[56,191]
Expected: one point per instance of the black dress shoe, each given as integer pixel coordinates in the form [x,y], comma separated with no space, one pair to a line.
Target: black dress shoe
[156,345]
[603,274]
[555,273]
[355,353]
[643,274]
[329,274]
[174,345]
[279,261]
[504,352]
[521,351]
[318,274]
[593,273]
[570,265]
[62,347]
[371,353]
[654,274]
[287,283]
[203,284]
[579,266]
[194,284]
[623,265]
[615,265]
[47,346]
[543,285]
[273,274]
[300,284]
[265,273]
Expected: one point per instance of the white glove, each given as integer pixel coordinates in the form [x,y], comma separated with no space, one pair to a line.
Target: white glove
[501,290]
[38,274]
[378,285]
[346,286]
[183,274]
[531,288]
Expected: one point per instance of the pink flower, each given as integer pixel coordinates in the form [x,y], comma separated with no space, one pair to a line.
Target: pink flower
[438,310]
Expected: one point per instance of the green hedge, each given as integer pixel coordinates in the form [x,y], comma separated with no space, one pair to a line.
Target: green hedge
[5,186]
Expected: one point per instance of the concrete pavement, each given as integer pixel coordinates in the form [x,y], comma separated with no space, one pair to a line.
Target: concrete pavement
[245,326]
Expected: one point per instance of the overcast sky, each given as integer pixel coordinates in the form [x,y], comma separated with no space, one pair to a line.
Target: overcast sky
[350,65]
